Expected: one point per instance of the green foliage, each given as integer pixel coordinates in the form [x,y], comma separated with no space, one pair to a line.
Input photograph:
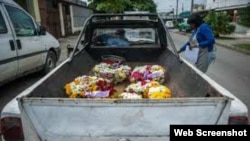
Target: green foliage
[118,6]
[113,6]
[245,16]
[243,46]
[144,5]
[220,23]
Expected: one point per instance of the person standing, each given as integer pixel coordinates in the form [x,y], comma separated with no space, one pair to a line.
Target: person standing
[203,39]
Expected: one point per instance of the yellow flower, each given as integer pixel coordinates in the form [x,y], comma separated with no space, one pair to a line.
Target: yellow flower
[91,79]
[145,94]
[74,95]
[154,84]
[82,93]
[96,69]
[68,89]
[122,75]
[90,88]
[77,82]
[157,95]
[132,79]
[167,92]
[94,87]
[119,69]
[160,92]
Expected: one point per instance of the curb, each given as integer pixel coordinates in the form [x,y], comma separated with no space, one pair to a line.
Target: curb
[244,51]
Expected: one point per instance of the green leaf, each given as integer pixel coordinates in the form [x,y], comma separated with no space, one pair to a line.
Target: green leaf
[119,6]
[220,23]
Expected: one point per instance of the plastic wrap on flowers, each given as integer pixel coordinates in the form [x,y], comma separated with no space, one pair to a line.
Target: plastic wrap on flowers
[89,87]
[148,72]
[149,90]
[112,71]
[127,95]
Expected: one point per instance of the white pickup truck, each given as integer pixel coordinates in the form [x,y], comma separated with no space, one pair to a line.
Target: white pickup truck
[46,113]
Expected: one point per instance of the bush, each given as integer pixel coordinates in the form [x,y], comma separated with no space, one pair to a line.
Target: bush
[220,23]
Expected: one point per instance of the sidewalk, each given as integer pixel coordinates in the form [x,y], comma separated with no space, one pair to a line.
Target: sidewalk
[231,42]
[227,41]
[64,42]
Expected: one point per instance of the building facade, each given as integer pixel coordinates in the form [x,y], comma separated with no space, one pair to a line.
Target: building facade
[232,7]
[59,17]
[198,7]
[226,4]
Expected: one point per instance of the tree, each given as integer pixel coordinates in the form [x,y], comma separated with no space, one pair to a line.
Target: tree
[119,6]
[144,5]
[245,16]
[220,23]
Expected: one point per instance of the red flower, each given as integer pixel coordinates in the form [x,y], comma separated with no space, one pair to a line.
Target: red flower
[148,67]
[137,75]
[100,83]
[143,82]
[109,62]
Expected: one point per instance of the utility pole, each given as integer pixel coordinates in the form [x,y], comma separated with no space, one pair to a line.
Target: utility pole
[177,4]
[182,8]
[192,6]
[173,14]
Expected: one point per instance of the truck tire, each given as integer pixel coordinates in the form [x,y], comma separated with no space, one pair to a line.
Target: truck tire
[50,62]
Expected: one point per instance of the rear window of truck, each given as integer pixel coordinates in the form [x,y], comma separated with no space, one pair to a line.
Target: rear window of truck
[124,37]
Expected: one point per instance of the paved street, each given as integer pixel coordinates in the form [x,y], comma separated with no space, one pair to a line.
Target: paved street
[231,69]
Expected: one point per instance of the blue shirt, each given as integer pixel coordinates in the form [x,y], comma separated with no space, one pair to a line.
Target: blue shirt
[117,42]
[204,37]
[114,41]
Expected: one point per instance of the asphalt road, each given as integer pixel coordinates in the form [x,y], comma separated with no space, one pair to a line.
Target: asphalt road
[231,69]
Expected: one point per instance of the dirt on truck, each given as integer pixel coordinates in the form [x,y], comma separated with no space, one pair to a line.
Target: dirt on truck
[123,81]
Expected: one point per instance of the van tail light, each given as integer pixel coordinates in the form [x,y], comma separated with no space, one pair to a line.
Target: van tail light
[239,120]
[11,129]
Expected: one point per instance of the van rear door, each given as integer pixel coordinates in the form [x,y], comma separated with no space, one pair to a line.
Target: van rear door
[8,53]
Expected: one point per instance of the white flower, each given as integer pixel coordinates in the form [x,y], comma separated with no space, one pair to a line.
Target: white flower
[76,88]
[127,95]
[111,72]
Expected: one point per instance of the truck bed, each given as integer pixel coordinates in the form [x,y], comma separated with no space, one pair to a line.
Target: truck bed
[177,92]
[179,77]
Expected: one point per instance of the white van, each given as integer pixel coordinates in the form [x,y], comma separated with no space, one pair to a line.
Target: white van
[169,24]
[25,46]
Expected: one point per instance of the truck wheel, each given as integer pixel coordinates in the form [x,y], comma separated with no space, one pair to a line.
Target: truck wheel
[50,62]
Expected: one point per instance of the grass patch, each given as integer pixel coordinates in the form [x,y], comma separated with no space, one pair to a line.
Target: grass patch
[243,46]
[225,38]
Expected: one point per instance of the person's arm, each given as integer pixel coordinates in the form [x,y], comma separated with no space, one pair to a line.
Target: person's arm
[183,48]
[207,33]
